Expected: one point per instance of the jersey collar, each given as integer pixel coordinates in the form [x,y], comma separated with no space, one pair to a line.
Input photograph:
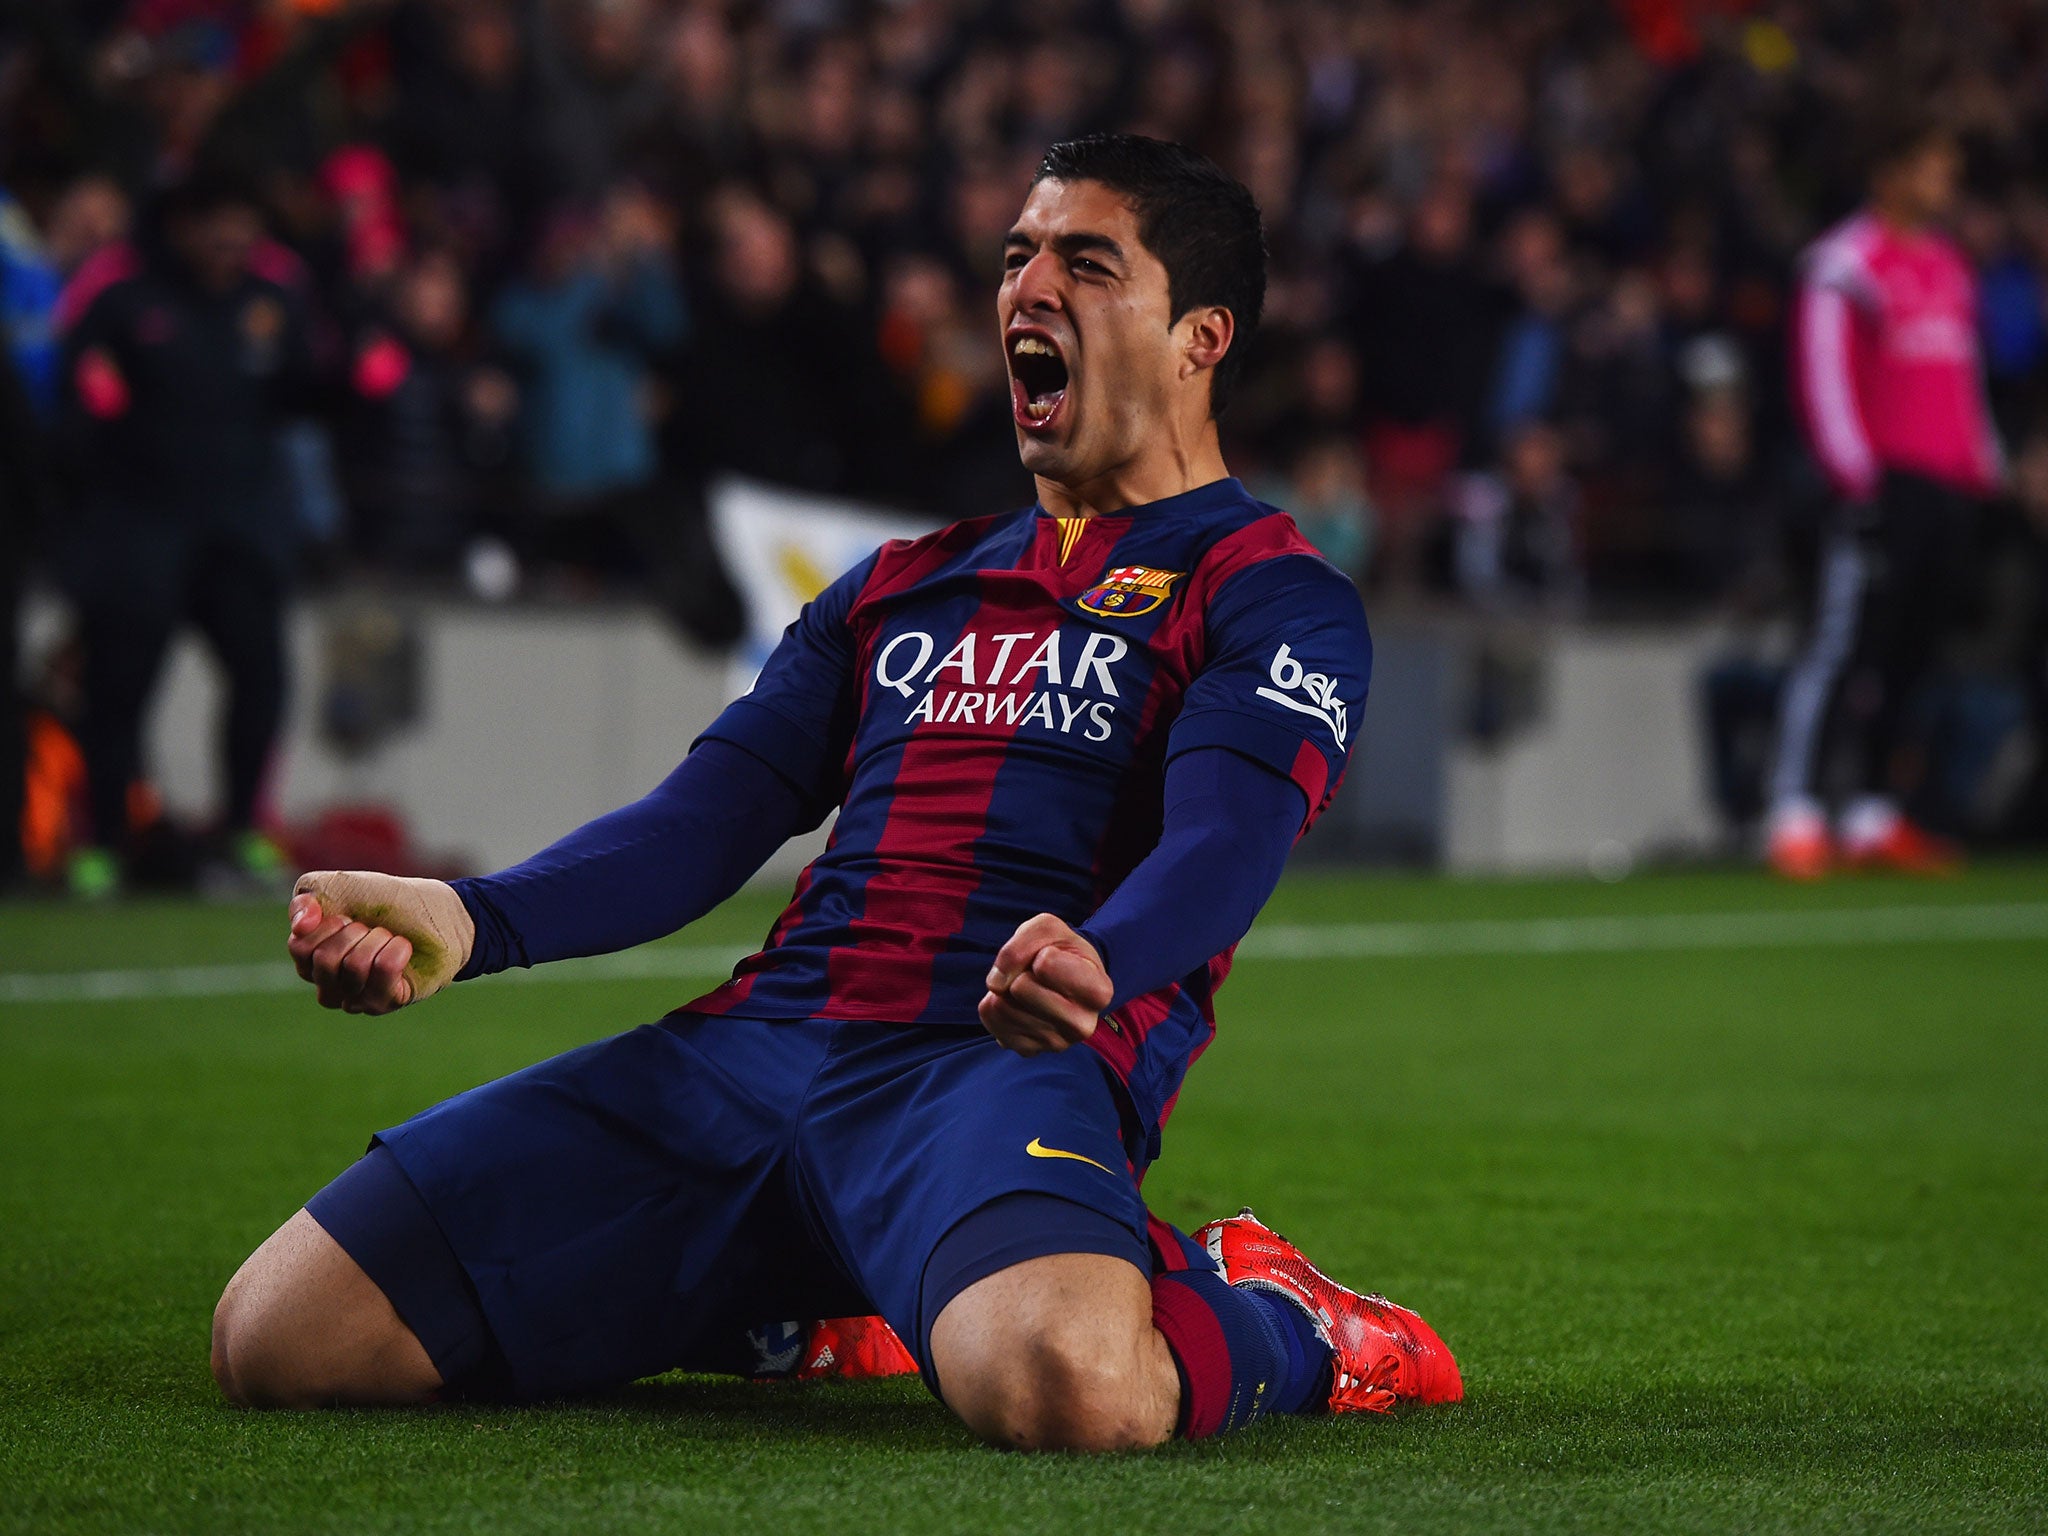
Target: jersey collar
[1202,500]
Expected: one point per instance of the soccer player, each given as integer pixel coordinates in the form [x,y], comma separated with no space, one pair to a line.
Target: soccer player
[1070,747]
[1887,368]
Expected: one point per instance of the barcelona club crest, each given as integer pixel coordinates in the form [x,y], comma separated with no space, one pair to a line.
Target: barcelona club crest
[1129,591]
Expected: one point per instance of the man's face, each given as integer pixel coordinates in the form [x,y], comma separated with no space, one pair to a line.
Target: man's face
[216,244]
[1926,180]
[1096,364]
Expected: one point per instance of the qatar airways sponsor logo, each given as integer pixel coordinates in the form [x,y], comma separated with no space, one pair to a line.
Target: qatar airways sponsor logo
[1026,679]
[1307,693]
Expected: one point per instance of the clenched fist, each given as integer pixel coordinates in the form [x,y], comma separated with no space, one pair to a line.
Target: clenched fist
[371,943]
[1046,990]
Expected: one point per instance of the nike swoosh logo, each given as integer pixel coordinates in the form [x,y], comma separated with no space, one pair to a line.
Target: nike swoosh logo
[1038,1148]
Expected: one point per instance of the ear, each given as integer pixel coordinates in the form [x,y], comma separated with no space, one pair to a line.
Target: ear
[1207,332]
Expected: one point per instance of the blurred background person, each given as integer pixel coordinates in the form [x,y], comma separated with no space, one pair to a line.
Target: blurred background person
[430,432]
[178,377]
[584,330]
[27,505]
[1324,487]
[783,380]
[1890,374]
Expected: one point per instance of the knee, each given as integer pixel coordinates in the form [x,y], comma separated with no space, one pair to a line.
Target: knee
[301,1326]
[239,1349]
[1056,1390]
[259,1359]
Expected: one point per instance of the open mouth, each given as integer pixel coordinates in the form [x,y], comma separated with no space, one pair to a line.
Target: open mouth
[1038,381]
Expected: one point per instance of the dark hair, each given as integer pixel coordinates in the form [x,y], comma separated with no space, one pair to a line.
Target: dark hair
[205,192]
[1197,219]
[1899,137]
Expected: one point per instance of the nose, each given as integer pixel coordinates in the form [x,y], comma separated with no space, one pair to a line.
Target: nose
[1037,284]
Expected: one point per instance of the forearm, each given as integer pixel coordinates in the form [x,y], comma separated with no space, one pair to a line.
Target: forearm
[1227,827]
[1826,346]
[640,872]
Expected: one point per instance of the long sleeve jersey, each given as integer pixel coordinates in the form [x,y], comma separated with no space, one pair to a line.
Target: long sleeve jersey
[1886,361]
[993,708]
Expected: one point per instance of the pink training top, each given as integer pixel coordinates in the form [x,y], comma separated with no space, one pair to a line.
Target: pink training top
[1885,360]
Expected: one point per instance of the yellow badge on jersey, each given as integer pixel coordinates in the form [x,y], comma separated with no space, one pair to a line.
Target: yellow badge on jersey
[1129,591]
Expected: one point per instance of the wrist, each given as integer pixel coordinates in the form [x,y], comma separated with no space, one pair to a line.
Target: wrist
[443,950]
[483,954]
[1093,938]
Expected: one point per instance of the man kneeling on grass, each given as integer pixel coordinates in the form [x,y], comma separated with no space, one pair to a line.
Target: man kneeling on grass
[1070,747]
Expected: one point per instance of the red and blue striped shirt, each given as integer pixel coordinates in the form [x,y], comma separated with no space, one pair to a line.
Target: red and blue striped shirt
[992,708]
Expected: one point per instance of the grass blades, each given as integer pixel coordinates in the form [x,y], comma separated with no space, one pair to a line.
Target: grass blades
[1724,1239]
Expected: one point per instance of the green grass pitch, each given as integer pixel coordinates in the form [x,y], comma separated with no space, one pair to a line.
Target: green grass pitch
[1749,1237]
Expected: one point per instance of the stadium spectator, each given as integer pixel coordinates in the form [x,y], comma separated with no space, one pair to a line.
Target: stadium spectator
[584,330]
[29,285]
[26,502]
[1724,517]
[781,380]
[1325,488]
[1504,215]
[178,378]
[937,346]
[432,426]
[1518,535]
[1423,317]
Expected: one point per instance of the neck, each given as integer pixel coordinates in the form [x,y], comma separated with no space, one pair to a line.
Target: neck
[1182,462]
[1900,215]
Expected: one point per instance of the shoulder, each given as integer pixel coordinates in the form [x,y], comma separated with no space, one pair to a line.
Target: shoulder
[116,270]
[903,562]
[279,266]
[1843,257]
[1266,557]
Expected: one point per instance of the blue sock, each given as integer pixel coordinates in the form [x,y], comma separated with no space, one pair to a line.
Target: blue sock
[1303,1385]
[1242,1353]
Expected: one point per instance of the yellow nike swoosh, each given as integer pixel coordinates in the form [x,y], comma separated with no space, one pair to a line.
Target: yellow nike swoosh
[1038,1148]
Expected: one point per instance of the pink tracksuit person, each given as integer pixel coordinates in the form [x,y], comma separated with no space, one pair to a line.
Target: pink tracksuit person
[1886,362]
[1887,372]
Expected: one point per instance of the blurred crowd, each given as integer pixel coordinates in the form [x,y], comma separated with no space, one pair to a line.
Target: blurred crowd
[568,257]
[547,266]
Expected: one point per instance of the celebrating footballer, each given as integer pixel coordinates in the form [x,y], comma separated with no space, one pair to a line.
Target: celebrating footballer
[1069,748]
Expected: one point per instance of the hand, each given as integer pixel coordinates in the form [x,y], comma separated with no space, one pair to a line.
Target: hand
[371,943]
[1046,990]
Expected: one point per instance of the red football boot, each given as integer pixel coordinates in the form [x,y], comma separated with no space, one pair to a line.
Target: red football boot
[1908,849]
[853,1349]
[1799,847]
[1803,854]
[1386,1355]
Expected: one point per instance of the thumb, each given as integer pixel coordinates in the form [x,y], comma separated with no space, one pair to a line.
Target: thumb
[338,891]
[305,910]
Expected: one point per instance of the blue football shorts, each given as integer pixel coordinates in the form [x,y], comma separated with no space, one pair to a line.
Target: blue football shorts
[646,1202]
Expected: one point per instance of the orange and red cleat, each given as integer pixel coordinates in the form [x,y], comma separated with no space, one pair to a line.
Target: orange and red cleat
[852,1349]
[1903,847]
[1802,850]
[1385,1355]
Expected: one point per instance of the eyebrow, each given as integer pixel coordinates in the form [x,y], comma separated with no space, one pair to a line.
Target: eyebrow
[1074,243]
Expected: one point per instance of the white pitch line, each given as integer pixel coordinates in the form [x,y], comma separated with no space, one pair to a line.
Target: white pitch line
[1835,927]
[1664,931]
